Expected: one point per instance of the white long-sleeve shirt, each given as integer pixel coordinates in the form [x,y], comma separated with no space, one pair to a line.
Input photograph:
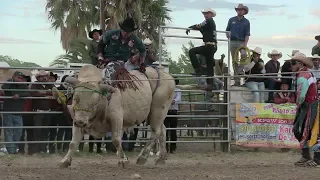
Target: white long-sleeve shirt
[177,99]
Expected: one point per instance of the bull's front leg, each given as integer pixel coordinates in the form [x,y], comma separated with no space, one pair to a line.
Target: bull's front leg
[116,128]
[77,136]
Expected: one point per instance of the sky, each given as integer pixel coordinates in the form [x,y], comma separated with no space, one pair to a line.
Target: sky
[25,32]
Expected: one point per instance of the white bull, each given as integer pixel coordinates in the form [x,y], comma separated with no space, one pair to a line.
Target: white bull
[98,108]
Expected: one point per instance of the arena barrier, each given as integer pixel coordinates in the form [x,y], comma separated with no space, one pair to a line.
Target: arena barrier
[193,120]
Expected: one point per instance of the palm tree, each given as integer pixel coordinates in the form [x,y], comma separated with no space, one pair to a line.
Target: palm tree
[77,53]
[74,18]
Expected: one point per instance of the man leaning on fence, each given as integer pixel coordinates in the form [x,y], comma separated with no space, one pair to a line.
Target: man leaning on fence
[15,104]
[306,123]
[41,106]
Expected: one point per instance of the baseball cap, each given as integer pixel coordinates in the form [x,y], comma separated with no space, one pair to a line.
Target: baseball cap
[18,73]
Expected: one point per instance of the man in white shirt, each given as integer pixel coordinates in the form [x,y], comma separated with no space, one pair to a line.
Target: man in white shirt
[172,122]
[315,70]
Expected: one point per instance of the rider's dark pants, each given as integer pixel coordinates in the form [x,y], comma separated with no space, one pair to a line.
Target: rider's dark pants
[208,52]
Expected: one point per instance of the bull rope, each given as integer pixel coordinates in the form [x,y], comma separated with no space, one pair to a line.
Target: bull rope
[121,78]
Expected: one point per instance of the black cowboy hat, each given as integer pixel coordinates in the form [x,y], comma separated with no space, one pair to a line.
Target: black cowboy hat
[93,31]
[53,75]
[128,25]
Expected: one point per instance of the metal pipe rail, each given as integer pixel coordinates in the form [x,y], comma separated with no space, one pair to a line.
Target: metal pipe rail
[137,127]
[189,37]
[182,28]
[60,112]
[103,141]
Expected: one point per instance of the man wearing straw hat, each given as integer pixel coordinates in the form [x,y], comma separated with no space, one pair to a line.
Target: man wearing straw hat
[272,67]
[315,69]
[208,31]
[306,124]
[316,48]
[256,84]
[239,28]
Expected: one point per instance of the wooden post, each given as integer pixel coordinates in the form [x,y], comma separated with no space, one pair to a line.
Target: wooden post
[102,16]
[224,120]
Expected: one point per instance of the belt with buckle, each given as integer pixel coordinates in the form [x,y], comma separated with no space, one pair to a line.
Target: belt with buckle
[210,43]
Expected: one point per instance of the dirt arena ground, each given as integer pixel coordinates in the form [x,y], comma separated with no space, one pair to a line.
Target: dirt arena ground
[188,164]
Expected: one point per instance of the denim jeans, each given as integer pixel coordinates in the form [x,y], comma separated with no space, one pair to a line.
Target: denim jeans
[129,66]
[257,90]
[14,134]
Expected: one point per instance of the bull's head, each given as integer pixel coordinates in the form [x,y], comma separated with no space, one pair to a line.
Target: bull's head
[89,101]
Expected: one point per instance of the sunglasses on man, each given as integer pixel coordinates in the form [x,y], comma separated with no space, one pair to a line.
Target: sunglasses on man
[294,62]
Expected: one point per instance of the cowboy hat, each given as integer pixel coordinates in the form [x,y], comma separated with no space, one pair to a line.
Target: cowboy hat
[147,41]
[257,50]
[41,73]
[128,25]
[303,59]
[317,38]
[292,54]
[93,31]
[241,6]
[53,75]
[316,56]
[275,52]
[209,10]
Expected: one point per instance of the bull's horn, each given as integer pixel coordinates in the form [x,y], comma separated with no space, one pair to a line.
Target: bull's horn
[71,80]
[108,88]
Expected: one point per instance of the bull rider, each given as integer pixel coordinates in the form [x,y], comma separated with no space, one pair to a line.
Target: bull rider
[122,46]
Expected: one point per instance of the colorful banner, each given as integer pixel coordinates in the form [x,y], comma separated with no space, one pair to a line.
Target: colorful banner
[265,125]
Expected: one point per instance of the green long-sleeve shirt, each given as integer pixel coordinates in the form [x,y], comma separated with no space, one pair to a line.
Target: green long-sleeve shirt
[114,49]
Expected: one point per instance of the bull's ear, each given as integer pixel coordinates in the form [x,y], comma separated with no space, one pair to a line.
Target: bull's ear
[72,81]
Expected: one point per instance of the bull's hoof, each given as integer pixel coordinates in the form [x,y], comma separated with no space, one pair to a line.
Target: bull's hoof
[160,161]
[141,160]
[123,164]
[64,164]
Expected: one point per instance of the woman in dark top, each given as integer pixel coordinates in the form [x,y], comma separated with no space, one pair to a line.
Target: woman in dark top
[256,68]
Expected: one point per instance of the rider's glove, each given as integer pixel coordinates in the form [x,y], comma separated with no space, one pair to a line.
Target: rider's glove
[142,67]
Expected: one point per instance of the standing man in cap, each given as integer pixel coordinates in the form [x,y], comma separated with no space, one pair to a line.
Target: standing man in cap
[14,104]
[93,46]
[121,45]
[239,27]
[208,31]
[304,127]
[316,48]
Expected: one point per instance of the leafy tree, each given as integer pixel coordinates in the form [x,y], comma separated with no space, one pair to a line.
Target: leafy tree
[78,53]
[75,19]
[17,63]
